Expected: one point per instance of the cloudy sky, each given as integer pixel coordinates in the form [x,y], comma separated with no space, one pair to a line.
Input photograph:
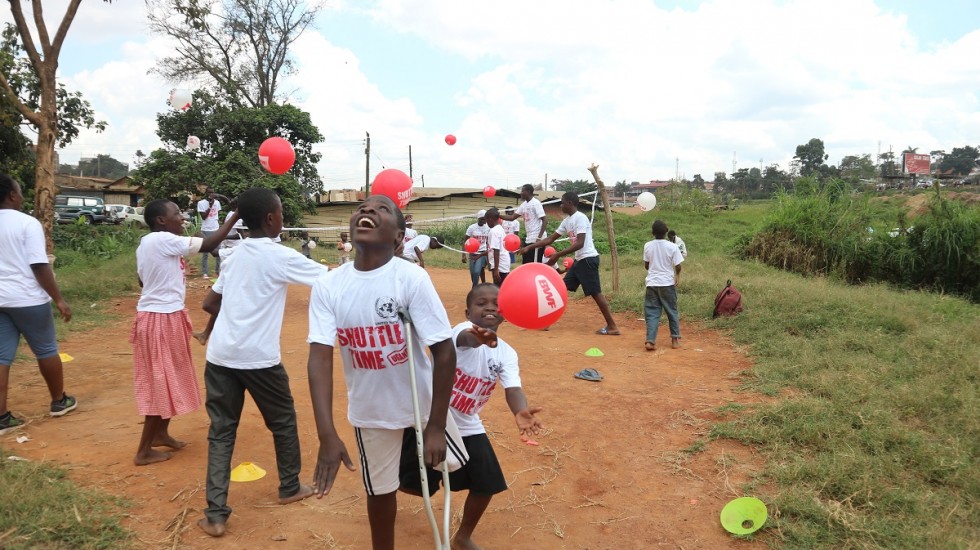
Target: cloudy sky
[646,89]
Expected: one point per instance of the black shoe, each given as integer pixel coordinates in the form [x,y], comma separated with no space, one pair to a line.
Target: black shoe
[9,423]
[64,405]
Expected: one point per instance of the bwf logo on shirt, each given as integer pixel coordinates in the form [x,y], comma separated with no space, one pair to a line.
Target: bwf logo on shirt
[367,345]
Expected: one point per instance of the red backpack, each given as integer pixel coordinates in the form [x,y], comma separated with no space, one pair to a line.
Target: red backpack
[728,302]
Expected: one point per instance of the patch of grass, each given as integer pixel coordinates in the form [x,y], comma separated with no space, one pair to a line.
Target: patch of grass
[43,509]
[875,441]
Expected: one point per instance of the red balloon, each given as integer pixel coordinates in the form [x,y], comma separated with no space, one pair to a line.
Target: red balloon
[276,155]
[512,242]
[394,184]
[549,251]
[568,263]
[489,191]
[450,139]
[533,296]
[471,245]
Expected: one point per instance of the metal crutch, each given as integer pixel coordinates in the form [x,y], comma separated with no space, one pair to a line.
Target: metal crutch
[442,543]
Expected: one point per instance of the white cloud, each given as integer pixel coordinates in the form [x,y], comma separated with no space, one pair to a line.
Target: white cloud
[562,84]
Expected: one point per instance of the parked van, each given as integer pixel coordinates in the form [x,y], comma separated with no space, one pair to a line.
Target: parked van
[89,209]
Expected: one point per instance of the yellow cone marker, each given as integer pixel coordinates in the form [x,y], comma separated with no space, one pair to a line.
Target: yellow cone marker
[744,516]
[594,352]
[246,471]
[65,357]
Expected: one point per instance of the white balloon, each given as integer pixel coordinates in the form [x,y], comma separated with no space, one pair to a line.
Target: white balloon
[646,201]
[347,247]
[180,99]
[311,245]
[193,143]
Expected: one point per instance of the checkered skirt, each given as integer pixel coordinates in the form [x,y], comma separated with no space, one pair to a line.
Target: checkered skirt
[164,377]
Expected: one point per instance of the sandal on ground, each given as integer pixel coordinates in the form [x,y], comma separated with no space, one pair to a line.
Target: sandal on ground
[591,375]
[604,331]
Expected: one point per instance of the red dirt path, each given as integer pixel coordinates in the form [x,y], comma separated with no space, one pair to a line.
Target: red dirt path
[610,471]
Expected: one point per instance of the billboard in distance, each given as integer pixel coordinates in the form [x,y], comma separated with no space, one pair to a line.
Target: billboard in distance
[913,163]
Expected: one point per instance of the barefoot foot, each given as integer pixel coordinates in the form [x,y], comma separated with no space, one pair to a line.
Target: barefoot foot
[650,346]
[168,441]
[213,529]
[151,457]
[464,543]
[304,492]
[675,343]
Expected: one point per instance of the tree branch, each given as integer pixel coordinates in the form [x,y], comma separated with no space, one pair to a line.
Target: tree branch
[24,110]
[27,41]
[42,29]
[59,37]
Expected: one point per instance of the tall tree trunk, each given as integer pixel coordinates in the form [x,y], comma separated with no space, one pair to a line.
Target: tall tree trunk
[45,189]
[613,253]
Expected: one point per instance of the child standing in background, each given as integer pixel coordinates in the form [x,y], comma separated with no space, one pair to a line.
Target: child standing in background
[343,248]
[662,260]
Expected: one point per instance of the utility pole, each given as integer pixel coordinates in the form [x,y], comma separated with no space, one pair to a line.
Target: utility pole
[367,166]
[734,163]
[677,168]
[423,180]
[545,186]
[410,163]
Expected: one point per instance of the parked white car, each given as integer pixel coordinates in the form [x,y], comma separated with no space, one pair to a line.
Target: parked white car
[121,213]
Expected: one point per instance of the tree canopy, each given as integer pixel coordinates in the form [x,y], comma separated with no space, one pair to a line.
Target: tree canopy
[227,160]
[961,160]
[242,46]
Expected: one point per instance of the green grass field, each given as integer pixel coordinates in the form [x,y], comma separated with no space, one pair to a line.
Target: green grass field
[871,440]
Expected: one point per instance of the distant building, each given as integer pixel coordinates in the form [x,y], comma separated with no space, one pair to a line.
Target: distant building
[636,187]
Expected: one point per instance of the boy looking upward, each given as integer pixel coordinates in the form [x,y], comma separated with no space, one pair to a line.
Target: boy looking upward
[356,307]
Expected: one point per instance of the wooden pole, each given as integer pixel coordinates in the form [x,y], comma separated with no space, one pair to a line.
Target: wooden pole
[609,225]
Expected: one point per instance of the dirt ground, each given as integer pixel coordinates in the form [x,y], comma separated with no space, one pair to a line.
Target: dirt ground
[609,472]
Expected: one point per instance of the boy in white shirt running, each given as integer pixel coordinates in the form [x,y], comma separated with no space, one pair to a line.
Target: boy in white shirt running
[482,359]
[243,352]
[356,308]
[585,270]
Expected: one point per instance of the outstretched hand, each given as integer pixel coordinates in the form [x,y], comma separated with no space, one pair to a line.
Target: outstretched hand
[332,452]
[484,336]
[527,422]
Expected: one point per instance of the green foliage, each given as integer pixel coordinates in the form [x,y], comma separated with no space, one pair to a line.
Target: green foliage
[961,160]
[228,161]
[94,241]
[42,508]
[577,186]
[811,156]
[826,232]
[680,197]
[74,112]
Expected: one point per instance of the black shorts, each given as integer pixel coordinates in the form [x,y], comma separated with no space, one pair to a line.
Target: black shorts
[584,272]
[481,475]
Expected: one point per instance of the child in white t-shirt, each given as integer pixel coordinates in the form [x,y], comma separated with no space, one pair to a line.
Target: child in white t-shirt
[482,359]
[356,307]
[585,271]
[496,252]
[243,352]
[164,377]
[662,260]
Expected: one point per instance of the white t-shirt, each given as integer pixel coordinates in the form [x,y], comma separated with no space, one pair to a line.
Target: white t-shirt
[680,244]
[575,225]
[252,284]
[511,226]
[662,256]
[480,233]
[161,266]
[21,246]
[532,211]
[496,242]
[358,312]
[410,234]
[477,372]
[209,213]
[422,242]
